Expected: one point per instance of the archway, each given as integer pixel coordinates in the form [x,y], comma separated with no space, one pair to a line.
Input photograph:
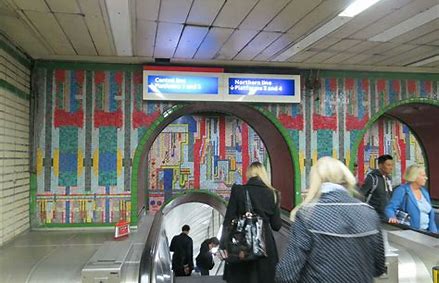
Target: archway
[418,114]
[283,157]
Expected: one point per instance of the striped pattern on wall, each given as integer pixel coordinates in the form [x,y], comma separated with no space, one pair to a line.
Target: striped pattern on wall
[14,143]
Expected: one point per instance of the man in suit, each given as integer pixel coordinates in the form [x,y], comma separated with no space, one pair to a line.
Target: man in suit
[182,259]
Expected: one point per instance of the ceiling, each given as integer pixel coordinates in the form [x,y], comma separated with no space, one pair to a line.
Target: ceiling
[392,35]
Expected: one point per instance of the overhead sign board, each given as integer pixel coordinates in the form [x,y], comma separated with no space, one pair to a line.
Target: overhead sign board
[181,86]
[263,88]
[211,86]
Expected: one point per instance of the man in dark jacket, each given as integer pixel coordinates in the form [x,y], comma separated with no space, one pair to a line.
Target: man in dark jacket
[182,259]
[377,188]
[205,259]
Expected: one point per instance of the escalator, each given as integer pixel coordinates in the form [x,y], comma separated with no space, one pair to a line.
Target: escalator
[147,259]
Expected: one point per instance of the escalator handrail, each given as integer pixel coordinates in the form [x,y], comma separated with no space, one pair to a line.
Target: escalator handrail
[150,251]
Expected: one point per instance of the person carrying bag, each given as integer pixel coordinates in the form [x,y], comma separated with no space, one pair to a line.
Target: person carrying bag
[252,214]
[246,239]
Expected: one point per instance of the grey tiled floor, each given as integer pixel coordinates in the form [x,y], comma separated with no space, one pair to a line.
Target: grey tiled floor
[49,256]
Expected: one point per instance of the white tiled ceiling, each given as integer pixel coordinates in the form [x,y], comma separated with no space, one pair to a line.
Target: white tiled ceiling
[221,32]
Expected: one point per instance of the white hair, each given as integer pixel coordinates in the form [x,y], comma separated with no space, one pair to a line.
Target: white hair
[327,169]
[412,172]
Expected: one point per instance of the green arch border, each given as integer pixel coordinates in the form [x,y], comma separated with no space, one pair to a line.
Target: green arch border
[151,129]
[379,114]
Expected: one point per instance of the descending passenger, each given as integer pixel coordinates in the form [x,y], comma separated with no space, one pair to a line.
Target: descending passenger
[334,237]
[378,185]
[413,198]
[204,259]
[265,202]
[182,259]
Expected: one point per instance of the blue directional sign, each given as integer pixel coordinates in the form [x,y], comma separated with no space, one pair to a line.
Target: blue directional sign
[175,84]
[261,86]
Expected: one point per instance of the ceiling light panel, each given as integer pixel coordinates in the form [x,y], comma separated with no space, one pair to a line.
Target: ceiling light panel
[279,44]
[426,61]
[24,37]
[417,32]
[291,14]
[357,7]
[302,56]
[233,12]
[408,25]
[235,43]
[262,40]
[145,38]
[49,28]
[338,58]
[262,13]
[427,38]
[415,54]
[174,11]
[313,37]
[190,40]
[213,42]
[77,32]
[371,15]
[320,57]
[357,59]
[63,6]
[203,12]
[120,22]
[392,19]
[147,9]
[168,35]
[34,5]
[96,25]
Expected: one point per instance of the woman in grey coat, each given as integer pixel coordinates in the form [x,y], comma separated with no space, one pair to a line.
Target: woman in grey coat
[334,237]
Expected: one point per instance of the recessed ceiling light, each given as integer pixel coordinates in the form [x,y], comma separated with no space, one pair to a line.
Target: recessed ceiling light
[357,7]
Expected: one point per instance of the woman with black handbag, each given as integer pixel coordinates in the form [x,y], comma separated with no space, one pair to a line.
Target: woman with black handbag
[254,205]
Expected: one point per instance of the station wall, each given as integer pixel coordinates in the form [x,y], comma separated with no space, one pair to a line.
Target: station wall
[94,117]
[14,141]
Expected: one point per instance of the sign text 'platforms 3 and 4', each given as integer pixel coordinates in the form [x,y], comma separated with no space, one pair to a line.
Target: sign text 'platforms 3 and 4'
[178,85]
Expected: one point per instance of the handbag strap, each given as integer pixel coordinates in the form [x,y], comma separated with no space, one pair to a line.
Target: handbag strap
[248,202]
[404,201]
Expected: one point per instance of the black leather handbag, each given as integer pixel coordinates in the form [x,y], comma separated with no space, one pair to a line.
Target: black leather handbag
[246,237]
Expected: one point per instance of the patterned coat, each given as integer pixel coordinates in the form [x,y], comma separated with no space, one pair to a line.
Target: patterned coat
[337,239]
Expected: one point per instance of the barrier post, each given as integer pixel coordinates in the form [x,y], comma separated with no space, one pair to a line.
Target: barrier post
[435,272]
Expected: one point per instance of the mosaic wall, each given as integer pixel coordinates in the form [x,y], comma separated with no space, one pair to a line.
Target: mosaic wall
[206,152]
[90,122]
[389,136]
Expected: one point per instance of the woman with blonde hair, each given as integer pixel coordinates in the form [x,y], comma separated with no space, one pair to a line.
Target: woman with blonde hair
[334,236]
[413,198]
[265,202]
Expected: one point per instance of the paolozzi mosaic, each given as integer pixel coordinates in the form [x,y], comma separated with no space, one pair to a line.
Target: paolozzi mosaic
[206,152]
[89,122]
[389,136]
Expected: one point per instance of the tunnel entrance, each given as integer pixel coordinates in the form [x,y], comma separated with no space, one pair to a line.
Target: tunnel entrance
[421,118]
[284,175]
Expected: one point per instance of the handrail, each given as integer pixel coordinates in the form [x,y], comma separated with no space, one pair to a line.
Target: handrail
[147,267]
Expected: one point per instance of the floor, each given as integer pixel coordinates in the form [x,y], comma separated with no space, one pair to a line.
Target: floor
[55,256]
